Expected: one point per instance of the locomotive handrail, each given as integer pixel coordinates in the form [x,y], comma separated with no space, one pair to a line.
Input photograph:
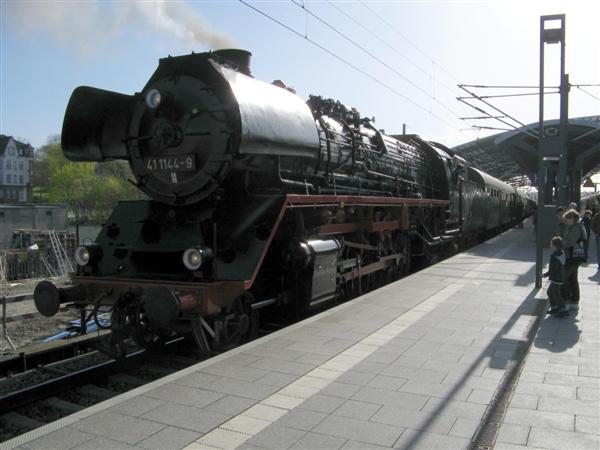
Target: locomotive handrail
[360,199]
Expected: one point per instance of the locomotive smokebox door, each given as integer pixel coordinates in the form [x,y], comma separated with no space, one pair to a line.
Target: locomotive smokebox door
[181,151]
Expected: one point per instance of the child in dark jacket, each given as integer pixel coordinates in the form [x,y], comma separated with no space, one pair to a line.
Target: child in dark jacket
[556,273]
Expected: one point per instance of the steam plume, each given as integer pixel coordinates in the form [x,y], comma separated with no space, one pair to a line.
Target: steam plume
[86,26]
[182,21]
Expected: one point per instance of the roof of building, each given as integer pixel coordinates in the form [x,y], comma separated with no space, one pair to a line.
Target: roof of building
[26,149]
[514,154]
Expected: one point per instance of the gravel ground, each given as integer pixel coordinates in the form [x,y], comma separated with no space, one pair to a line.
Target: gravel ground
[29,331]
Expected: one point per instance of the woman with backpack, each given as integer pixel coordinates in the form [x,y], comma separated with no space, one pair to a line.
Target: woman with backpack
[574,239]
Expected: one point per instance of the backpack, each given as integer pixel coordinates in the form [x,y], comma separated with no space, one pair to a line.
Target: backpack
[578,255]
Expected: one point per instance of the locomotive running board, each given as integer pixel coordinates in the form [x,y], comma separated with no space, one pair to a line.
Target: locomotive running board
[321,201]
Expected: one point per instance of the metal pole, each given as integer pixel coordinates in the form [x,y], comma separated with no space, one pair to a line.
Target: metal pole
[552,151]
[4,329]
[564,193]
[4,332]
[541,182]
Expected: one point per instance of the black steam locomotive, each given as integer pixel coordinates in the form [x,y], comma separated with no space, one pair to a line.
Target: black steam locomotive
[258,200]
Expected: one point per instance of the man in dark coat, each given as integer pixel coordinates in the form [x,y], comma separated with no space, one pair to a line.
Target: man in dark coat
[574,234]
[595,228]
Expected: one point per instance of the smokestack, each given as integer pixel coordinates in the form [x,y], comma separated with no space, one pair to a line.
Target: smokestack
[239,59]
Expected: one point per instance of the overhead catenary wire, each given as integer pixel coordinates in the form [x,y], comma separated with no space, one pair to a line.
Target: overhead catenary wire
[588,93]
[526,94]
[531,132]
[412,44]
[482,127]
[516,86]
[391,47]
[482,117]
[375,57]
[491,116]
[511,95]
[487,86]
[482,97]
[347,63]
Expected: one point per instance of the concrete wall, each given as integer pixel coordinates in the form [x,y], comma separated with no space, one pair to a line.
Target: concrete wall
[42,217]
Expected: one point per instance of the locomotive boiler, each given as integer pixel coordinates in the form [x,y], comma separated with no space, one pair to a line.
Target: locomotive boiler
[257,201]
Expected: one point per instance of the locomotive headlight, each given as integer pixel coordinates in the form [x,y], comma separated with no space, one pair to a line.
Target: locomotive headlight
[82,256]
[153,98]
[87,255]
[194,257]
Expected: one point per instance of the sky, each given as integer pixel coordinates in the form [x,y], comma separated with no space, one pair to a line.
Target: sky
[411,63]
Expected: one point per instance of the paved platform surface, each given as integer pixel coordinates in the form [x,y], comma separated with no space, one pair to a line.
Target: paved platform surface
[412,365]
[556,404]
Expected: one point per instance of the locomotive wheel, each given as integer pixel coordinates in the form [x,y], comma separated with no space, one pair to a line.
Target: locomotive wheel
[402,246]
[142,333]
[405,240]
[237,325]
[234,327]
[115,341]
[200,336]
[380,278]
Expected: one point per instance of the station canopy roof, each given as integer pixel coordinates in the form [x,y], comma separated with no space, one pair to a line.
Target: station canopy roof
[512,155]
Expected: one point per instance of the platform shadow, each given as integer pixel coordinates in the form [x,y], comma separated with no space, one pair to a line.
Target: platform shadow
[595,277]
[531,306]
[566,336]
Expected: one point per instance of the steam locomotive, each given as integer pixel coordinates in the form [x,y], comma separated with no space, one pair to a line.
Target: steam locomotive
[258,202]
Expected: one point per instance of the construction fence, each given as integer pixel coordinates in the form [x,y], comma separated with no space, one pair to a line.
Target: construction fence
[49,255]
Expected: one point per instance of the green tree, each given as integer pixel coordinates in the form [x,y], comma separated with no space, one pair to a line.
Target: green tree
[90,190]
[41,164]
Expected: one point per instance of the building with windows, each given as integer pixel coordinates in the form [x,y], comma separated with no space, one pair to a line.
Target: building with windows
[16,166]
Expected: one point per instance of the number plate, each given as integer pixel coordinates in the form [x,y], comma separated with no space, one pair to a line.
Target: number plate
[184,163]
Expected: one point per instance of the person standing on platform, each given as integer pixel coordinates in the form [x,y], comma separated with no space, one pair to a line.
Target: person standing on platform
[595,227]
[556,273]
[587,222]
[573,246]
[560,213]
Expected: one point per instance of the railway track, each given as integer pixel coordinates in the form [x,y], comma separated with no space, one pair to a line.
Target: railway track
[48,392]
[62,380]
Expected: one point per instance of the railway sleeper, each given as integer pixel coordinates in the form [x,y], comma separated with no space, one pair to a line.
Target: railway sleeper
[62,405]
[127,379]
[91,390]
[19,421]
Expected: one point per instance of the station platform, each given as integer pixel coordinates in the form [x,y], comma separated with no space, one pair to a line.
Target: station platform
[450,357]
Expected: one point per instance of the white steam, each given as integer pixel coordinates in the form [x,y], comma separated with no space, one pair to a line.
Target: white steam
[86,26]
[182,21]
